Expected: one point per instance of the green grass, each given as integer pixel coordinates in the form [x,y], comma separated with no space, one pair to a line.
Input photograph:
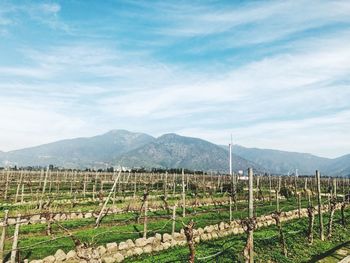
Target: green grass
[266,245]
[119,227]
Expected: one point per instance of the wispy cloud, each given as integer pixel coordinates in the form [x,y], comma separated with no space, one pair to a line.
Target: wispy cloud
[44,13]
[267,72]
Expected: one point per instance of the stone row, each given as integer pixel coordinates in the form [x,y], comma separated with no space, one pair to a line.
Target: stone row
[114,252]
[40,219]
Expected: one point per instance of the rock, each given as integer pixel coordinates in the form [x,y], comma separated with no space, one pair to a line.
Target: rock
[102,250]
[118,257]
[36,261]
[158,248]
[57,217]
[129,253]
[130,243]
[147,249]
[71,254]
[179,236]
[209,229]
[88,215]
[141,242]
[200,231]
[84,253]
[138,251]
[24,221]
[60,255]
[12,221]
[112,247]
[158,236]
[108,260]
[123,245]
[222,226]
[204,237]
[95,254]
[182,243]
[167,237]
[166,245]
[49,259]
[33,219]
[150,240]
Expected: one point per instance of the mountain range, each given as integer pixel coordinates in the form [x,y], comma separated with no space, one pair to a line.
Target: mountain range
[130,149]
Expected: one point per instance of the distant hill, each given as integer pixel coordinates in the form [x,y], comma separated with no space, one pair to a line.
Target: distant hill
[174,151]
[121,147]
[79,152]
[284,162]
[339,166]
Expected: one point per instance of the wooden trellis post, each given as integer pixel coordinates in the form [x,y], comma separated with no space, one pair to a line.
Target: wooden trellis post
[93,192]
[183,195]
[22,194]
[320,217]
[166,186]
[15,240]
[270,190]
[299,205]
[230,200]
[6,184]
[17,192]
[342,211]
[250,223]
[135,186]
[305,184]
[278,189]
[311,215]
[44,188]
[3,235]
[145,219]
[19,186]
[174,220]
[107,199]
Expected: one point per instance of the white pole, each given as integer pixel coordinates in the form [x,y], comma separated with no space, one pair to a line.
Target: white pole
[230,146]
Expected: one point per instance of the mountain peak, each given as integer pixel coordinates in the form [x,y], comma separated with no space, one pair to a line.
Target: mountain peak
[119,131]
[169,136]
[119,146]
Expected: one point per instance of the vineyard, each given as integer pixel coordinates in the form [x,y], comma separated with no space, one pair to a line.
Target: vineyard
[79,216]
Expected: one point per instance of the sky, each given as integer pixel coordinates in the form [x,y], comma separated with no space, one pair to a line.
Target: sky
[274,74]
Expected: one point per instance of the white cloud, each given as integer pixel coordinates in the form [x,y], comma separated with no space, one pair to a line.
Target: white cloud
[264,21]
[274,101]
[52,8]
[30,124]
[326,135]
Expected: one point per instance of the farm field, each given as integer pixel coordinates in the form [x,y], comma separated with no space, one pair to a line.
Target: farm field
[266,246]
[55,214]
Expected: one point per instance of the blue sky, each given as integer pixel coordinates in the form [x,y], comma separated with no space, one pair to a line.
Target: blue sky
[274,74]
